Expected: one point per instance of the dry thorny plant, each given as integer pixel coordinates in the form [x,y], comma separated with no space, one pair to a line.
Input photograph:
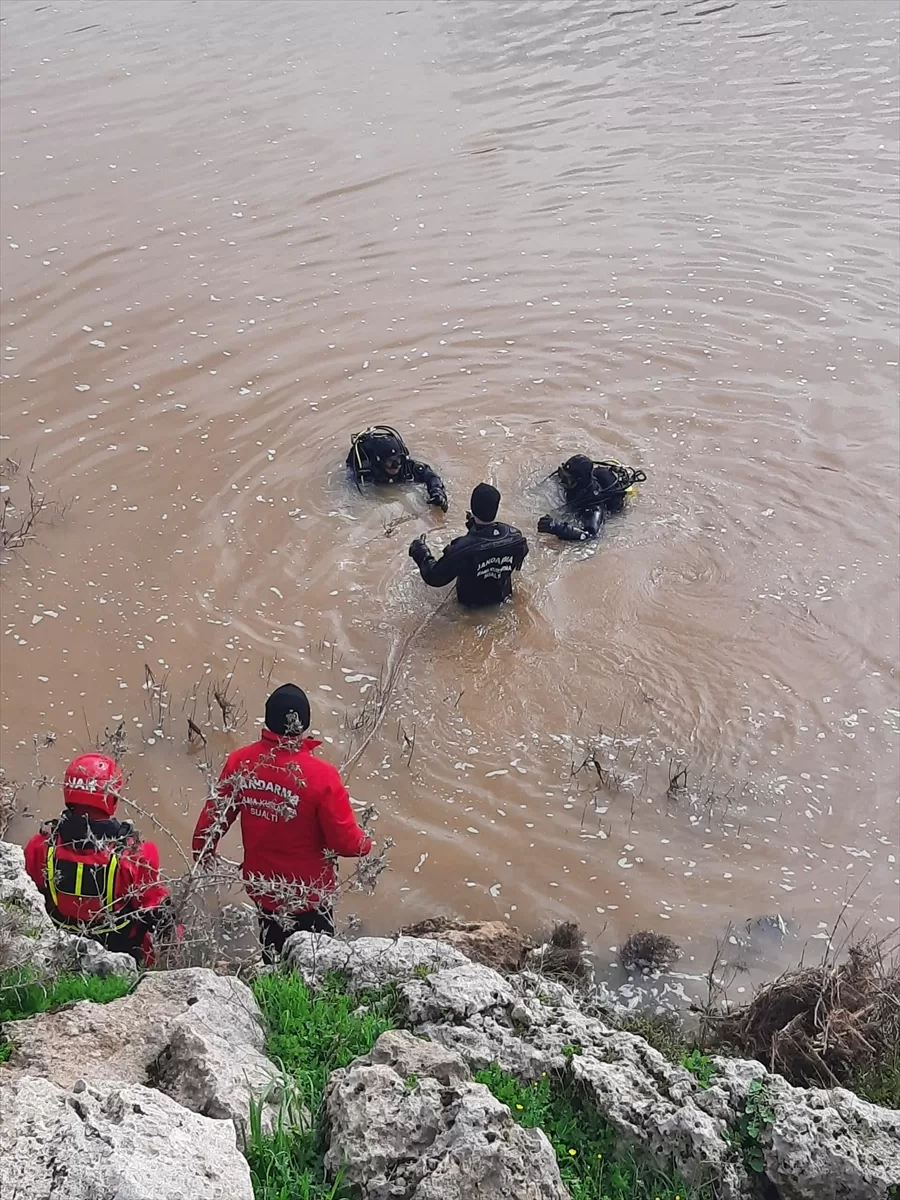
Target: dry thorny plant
[196,893]
[9,800]
[24,506]
[186,931]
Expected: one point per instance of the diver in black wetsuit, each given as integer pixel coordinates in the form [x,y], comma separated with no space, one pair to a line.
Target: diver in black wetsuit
[591,491]
[379,455]
[482,561]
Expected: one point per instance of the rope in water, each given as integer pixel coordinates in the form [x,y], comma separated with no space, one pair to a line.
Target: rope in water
[398,656]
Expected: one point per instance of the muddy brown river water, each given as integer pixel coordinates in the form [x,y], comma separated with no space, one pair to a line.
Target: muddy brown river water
[234,232]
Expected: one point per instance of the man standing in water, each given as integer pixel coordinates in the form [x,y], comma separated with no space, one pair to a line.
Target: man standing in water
[482,561]
[294,812]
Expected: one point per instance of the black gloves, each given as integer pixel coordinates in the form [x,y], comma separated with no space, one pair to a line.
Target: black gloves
[565,531]
[438,497]
[418,550]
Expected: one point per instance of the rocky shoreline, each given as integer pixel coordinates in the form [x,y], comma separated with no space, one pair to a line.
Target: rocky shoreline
[148,1097]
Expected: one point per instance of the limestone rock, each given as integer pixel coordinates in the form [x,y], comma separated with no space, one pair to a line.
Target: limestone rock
[491,943]
[87,957]
[661,1120]
[412,1056]
[491,1043]
[414,1137]
[457,993]
[30,939]
[532,1038]
[368,962]
[830,1145]
[653,1104]
[214,1062]
[534,986]
[96,1143]
[195,1034]
[529,1024]
[485,1155]
[118,1043]
[18,895]
[727,1093]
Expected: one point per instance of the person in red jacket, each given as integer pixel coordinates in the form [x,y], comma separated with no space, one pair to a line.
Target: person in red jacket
[294,811]
[96,875]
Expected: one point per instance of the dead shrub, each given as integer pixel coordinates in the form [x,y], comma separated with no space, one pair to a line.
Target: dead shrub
[821,1026]
[563,955]
[648,951]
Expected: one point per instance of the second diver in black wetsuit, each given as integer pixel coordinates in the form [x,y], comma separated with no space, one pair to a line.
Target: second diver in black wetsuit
[591,491]
[379,455]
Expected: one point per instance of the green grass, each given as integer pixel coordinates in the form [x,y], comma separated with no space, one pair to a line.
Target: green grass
[591,1166]
[880,1084]
[22,994]
[6,1049]
[311,1034]
[663,1032]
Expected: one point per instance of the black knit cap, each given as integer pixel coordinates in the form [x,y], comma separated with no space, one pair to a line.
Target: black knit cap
[284,701]
[485,502]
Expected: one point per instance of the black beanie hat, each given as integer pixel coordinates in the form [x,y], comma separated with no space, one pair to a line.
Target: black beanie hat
[286,700]
[485,502]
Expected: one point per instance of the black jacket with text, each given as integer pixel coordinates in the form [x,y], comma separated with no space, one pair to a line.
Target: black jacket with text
[482,563]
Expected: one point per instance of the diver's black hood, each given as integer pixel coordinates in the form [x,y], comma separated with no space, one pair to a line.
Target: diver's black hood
[580,467]
[384,445]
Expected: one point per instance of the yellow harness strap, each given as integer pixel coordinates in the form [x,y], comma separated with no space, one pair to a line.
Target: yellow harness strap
[110,881]
[109,891]
[51,873]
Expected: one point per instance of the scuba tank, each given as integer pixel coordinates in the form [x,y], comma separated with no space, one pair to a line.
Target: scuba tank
[614,490]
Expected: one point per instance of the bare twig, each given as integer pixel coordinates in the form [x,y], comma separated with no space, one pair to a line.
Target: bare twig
[229,703]
[195,733]
[157,699]
[24,506]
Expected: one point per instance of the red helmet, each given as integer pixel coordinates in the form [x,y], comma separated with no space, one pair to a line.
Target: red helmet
[93,781]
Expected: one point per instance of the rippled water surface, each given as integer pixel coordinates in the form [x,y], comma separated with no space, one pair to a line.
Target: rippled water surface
[233,233]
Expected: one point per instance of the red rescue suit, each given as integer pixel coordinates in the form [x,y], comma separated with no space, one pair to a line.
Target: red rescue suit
[99,880]
[293,808]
